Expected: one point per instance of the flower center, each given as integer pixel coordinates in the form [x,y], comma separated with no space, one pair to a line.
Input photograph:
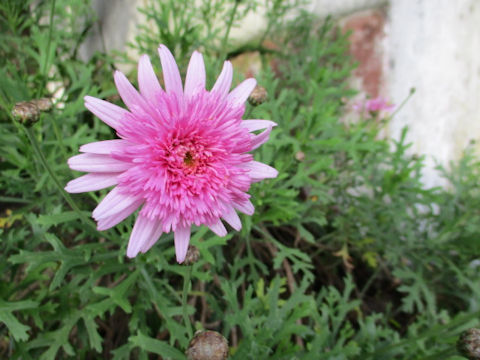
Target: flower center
[188,159]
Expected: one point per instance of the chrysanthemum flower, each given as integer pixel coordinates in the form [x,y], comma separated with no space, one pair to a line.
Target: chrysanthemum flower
[182,157]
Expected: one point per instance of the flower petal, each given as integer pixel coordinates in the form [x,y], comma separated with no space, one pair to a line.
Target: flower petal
[97,163]
[241,93]
[182,239]
[195,79]
[147,80]
[112,220]
[259,171]
[254,125]
[104,147]
[130,96]
[171,75]
[232,218]
[110,114]
[144,231]
[245,207]
[153,239]
[218,228]
[224,81]
[113,203]
[261,138]
[91,182]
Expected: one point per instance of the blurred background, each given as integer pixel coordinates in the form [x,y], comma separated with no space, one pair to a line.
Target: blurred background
[430,46]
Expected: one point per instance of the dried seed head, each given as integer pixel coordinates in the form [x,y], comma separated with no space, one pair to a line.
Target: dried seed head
[258,96]
[207,345]
[27,112]
[192,255]
[468,344]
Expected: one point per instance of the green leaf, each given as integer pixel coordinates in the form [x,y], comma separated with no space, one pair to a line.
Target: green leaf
[17,329]
[157,347]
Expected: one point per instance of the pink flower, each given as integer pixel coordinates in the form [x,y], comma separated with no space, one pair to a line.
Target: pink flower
[183,154]
[378,104]
[373,106]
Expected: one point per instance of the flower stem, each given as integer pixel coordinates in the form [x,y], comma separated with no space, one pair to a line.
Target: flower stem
[186,286]
[38,152]
[230,21]
[47,54]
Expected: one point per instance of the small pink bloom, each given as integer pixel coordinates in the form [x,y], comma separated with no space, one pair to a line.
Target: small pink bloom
[183,154]
[378,104]
[373,106]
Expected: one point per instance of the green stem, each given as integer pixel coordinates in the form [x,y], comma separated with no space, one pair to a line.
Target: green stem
[47,56]
[231,19]
[186,286]
[59,139]
[38,152]
[10,199]
[402,104]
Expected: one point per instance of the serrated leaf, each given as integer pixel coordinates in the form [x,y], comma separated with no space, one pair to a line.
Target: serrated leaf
[157,347]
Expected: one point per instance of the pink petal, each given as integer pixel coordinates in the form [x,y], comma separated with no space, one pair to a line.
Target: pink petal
[182,239]
[110,114]
[144,231]
[147,80]
[171,75]
[261,138]
[259,171]
[97,163]
[91,182]
[130,96]
[114,203]
[245,207]
[241,93]
[153,239]
[224,81]
[103,147]
[218,228]
[195,79]
[232,218]
[110,221]
[254,125]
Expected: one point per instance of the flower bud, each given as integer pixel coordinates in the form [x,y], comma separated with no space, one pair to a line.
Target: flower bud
[192,255]
[258,96]
[27,112]
[468,344]
[207,345]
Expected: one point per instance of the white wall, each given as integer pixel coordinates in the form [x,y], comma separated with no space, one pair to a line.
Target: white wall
[434,46]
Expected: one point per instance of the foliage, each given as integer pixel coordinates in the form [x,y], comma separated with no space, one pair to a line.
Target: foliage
[348,256]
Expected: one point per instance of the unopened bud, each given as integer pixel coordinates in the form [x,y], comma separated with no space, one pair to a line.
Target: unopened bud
[192,255]
[207,345]
[27,112]
[300,156]
[468,344]
[258,96]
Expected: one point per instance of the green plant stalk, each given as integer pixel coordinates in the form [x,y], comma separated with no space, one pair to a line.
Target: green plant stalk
[49,44]
[38,152]
[223,53]
[59,139]
[402,104]
[186,286]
